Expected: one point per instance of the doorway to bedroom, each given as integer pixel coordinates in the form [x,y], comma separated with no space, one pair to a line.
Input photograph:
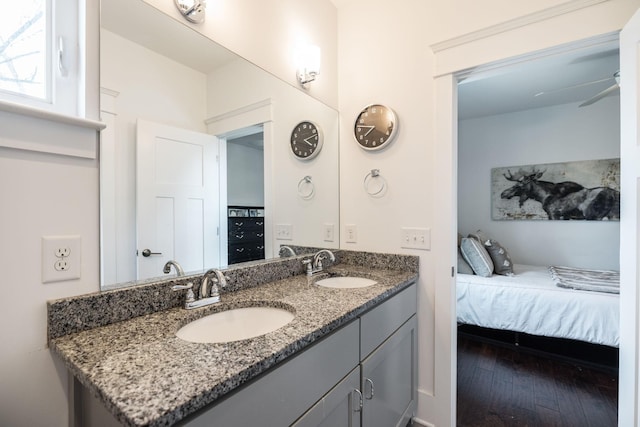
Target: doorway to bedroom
[521,121]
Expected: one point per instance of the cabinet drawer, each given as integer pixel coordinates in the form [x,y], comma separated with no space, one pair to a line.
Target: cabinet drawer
[239,236]
[245,224]
[378,324]
[282,395]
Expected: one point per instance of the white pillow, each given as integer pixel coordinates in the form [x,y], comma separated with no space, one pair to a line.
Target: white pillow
[477,256]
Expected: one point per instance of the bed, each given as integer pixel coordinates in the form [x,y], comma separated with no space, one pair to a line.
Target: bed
[529,301]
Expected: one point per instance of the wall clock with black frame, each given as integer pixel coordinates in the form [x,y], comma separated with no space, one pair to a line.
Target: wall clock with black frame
[306,140]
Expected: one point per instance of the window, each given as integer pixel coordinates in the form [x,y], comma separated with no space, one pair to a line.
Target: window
[39,54]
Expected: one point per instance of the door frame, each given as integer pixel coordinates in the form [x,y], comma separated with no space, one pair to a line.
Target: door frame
[223,125]
[446,167]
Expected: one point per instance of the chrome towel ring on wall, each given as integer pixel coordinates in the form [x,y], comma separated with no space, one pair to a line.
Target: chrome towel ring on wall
[306,189]
[374,184]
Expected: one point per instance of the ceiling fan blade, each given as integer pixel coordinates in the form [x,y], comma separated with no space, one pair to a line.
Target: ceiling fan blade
[576,86]
[600,95]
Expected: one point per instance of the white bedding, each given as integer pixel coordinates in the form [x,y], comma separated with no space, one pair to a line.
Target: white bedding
[530,302]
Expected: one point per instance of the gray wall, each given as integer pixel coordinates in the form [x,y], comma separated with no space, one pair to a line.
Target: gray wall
[545,135]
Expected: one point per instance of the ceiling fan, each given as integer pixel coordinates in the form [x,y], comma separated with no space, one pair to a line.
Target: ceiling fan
[611,89]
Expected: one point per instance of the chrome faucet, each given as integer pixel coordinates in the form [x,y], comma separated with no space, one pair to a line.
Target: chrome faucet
[207,297]
[207,282]
[167,268]
[220,279]
[314,265]
[286,251]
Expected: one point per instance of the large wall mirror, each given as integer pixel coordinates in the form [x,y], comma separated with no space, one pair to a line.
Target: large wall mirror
[197,147]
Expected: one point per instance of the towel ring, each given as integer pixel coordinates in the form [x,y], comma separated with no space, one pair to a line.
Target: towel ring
[306,189]
[370,179]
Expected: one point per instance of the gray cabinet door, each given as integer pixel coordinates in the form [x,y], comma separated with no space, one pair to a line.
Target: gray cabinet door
[388,379]
[340,407]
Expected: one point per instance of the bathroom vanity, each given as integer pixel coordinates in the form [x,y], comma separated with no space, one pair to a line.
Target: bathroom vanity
[348,357]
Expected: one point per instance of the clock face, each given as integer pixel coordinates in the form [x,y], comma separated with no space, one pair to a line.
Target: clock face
[306,140]
[375,127]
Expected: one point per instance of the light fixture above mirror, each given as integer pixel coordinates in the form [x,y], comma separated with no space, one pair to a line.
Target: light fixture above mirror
[192,10]
[308,63]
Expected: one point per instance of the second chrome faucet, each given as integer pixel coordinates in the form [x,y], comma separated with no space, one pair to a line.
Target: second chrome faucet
[314,264]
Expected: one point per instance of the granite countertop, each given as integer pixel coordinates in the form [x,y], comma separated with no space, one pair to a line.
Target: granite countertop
[145,375]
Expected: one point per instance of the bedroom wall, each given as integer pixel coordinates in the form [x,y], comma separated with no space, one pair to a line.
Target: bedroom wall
[545,135]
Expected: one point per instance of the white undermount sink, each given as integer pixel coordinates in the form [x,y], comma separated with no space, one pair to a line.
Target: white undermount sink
[235,324]
[347,282]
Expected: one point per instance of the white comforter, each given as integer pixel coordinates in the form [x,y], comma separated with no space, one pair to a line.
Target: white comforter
[530,302]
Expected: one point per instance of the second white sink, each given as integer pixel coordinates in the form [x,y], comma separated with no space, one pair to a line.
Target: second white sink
[346,282]
[235,324]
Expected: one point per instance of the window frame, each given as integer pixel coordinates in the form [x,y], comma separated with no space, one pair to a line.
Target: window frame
[63,92]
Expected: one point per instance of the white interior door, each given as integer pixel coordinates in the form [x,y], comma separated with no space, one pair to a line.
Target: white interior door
[629,220]
[177,198]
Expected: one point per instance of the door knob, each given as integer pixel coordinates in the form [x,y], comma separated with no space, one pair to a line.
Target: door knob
[148,253]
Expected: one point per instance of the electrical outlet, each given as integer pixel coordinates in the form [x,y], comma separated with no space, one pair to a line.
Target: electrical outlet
[284,232]
[416,238]
[62,265]
[63,252]
[352,233]
[328,233]
[60,258]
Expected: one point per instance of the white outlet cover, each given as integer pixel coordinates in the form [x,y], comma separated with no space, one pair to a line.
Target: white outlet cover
[52,248]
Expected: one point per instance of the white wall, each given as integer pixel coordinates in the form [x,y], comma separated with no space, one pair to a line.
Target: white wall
[245,175]
[42,194]
[544,135]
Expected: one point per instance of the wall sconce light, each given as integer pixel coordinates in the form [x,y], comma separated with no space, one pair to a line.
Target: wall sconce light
[308,63]
[192,10]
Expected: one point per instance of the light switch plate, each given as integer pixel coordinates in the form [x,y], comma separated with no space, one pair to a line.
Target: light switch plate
[327,234]
[416,238]
[284,232]
[351,231]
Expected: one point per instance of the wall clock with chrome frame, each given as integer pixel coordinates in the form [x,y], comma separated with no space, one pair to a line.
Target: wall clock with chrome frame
[375,127]
[306,140]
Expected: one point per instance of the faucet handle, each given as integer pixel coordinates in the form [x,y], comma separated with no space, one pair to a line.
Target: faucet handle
[309,267]
[190,295]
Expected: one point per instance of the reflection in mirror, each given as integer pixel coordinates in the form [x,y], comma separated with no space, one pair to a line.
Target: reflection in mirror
[179,155]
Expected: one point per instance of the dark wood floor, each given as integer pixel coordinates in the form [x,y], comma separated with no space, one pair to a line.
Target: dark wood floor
[500,386]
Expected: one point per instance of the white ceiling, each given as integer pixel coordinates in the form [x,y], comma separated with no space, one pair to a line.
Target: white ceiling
[153,29]
[554,79]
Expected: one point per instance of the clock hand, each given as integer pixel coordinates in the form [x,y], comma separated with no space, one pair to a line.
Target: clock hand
[371,128]
[307,139]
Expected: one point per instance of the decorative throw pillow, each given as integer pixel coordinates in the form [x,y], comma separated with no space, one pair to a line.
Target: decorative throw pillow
[463,266]
[480,236]
[500,257]
[477,256]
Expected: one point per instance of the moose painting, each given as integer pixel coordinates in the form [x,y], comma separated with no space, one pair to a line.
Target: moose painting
[587,190]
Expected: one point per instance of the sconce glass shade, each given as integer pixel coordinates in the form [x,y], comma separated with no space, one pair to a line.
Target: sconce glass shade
[308,63]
